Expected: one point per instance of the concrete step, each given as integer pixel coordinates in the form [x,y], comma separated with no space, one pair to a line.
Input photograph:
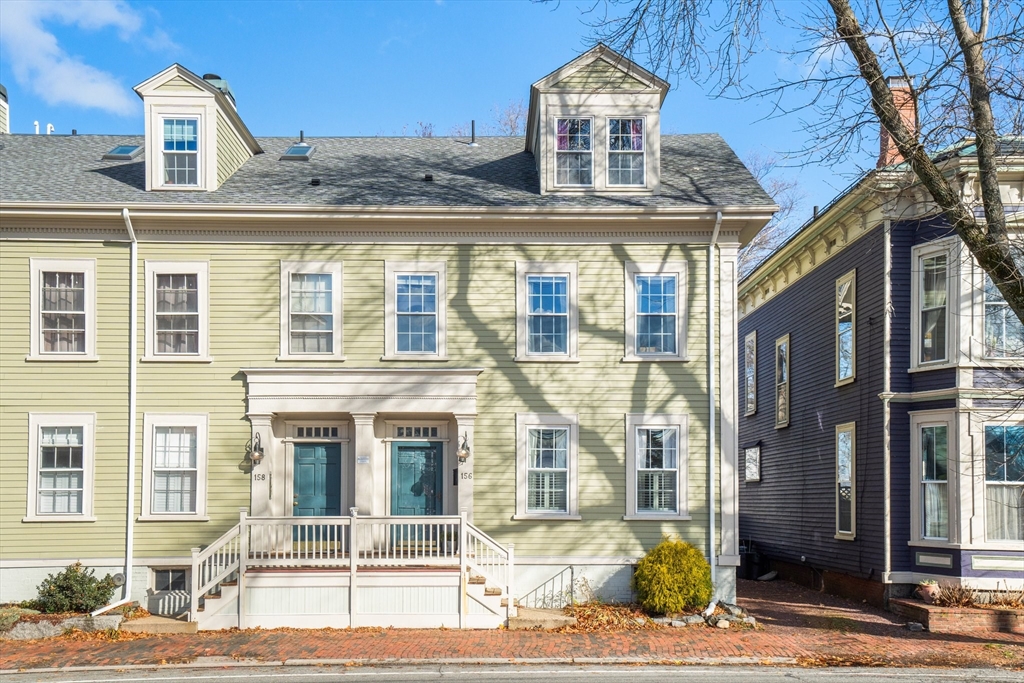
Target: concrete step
[531,618]
[155,624]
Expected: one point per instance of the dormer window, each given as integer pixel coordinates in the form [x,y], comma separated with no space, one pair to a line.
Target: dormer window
[574,156]
[181,152]
[626,152]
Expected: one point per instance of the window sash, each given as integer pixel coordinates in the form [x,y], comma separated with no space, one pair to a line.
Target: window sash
[656,314]
[574,158]
[175,470]
[416,313]
[311,315]
[62,312]
[1004,332]
[1004,482]
[169,580]
[782,370]
[176,314]
[547,469]
[750,373]
[845,481]
[934,287]
[548,314]
[845,329]
[181,151]
[60,487]
[657,473]
[626,152]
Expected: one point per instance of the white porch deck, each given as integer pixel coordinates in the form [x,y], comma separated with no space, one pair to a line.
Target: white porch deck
[316,572]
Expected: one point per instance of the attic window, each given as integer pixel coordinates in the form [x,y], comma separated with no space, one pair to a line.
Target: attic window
[124,152]
[298,152]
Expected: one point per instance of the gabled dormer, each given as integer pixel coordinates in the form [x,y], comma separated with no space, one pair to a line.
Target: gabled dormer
[195,139]
[594,126]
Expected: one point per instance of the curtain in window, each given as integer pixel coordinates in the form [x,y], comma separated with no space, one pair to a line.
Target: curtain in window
[1004,512]
[936,510]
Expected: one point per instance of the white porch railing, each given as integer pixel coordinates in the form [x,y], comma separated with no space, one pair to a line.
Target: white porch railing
[350,542]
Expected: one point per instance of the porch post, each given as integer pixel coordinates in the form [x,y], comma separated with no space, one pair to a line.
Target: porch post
[243,556]
[366,479]
[463,587]
[465,423]
[262,475]
[353,555]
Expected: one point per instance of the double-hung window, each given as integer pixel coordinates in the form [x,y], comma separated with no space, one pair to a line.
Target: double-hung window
[311,301]
[656,466]
[63,300]
[846,481]
[574,155]
[782,381]
[932,297]
[626,152]
[177,306]
[60,466]
[655,311]
[546,465]
[181,151]
[546,313]
[750,373]
[415,311]
[846,352]
[174,455]
[1004,331]
[1004,482]
[934,481]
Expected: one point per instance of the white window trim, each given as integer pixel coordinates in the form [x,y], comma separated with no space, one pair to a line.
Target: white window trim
[593,153]
[152,420]
[334,269]
[201,134]
[391,270]
[750,339]
[918,254]
[526,421]
[636,421]
[850,277]
[997,419]
[87,421]
[523,270]
[784,339]
[934,418]
[677,268]
[202,271]
[608,153]
[37,266]
[850,427]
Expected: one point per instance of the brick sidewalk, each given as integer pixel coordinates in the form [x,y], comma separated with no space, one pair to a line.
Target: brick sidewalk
[797,624]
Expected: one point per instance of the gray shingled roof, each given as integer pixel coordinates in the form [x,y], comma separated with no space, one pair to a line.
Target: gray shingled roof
[697,170]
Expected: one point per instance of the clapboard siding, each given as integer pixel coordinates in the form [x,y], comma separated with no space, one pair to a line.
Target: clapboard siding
[791,511]
[244,332]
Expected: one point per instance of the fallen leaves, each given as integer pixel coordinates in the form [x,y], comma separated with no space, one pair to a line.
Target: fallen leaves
[595,617]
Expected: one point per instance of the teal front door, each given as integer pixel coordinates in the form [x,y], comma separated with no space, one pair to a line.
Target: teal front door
[416,481]
[317,481]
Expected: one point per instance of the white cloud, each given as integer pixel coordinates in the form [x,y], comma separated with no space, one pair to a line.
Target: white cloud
[41,64]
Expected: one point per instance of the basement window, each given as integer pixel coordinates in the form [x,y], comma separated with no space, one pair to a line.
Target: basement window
[298,152]
[124,152]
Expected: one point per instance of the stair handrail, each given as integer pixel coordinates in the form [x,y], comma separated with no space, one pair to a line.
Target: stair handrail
[204,580]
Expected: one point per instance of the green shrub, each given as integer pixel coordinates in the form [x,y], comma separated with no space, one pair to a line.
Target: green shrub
[673,577]
[75,589]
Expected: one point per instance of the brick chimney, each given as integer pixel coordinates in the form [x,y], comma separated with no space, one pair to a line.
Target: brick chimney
[903,98]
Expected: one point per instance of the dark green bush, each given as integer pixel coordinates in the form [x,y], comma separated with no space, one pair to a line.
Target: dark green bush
[76,589]
[673,577]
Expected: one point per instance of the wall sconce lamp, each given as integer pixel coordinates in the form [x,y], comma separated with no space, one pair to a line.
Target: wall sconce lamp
[463,452]
[255,449]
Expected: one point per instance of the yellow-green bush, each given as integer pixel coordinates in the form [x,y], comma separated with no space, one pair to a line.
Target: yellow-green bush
[673,577]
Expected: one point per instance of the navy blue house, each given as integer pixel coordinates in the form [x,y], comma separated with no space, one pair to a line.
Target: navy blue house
[881,424]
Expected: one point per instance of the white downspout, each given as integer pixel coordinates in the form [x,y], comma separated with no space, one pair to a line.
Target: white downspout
[712,404]
[129,536]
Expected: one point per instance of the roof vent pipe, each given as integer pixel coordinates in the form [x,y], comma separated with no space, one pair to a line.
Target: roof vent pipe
[302,136]
[49,128]
[472,128]
[815,211]
[36,124]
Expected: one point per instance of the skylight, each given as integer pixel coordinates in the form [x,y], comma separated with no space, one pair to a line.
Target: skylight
[298,152]
[124,152]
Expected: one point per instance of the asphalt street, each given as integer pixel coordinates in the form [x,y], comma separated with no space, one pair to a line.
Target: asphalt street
[517,674]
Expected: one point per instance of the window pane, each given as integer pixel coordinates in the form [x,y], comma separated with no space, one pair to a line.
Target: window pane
[416,309]
[1004,512]
[310,302]
[750,373]
[548,313]
[573,160]
[174,447]
[62,311]
[177,313]
[61,480]
[933,308]
[752,463]
[549,448]
[547,492]
[934,472]
[844,329]
[844,483]
[655,314]
[1004,331]
[934,452]
[311,293]
[656,491]
[181,169]
[174,492]
[936,510]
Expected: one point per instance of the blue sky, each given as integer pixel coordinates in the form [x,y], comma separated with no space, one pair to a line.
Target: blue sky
[353,68]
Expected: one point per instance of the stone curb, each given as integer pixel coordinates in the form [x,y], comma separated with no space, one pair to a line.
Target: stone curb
[457,661]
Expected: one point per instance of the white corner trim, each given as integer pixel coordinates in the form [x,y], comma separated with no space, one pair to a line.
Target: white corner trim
[569,269]
[37,266]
